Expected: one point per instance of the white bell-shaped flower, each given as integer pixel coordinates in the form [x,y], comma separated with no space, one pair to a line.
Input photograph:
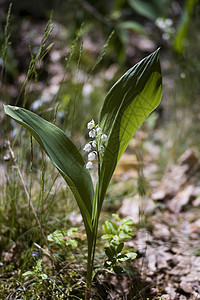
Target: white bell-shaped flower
[104,138]
[92,133]
[87,148]
[89,165]
[91,124]
[99,130]
[91,156]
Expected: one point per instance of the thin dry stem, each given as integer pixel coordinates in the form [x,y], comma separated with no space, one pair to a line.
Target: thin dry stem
[25,189]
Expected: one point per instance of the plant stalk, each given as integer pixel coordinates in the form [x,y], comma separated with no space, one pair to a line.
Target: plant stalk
[91,252]
[90,264]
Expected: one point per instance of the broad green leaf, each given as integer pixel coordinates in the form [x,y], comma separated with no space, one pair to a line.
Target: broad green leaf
[64,155]
[128,103]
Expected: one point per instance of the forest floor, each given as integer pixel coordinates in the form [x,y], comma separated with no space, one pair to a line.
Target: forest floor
[168,244]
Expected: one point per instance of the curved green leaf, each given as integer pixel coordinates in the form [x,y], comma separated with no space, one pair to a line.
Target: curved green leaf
[128,103]
[64,155]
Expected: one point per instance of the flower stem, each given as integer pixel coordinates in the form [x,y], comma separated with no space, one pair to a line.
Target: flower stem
[90,264]
[91,251]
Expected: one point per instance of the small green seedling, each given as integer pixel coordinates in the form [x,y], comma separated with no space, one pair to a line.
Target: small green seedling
[65,238]
[117,233]
[126,106]
[37,272]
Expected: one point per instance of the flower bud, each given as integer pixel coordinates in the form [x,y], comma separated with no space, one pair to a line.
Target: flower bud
[94,144]
[91,124]
[101,149]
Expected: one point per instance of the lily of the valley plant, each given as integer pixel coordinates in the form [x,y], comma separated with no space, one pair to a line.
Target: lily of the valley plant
[98,143]
[128,103]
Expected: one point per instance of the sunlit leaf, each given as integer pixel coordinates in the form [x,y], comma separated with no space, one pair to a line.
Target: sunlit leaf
[64,155]
[131,255]
[128,103]
[56,237]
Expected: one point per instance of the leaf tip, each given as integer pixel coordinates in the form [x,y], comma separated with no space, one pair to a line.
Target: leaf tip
[156,53]
[8,108]
[5,107]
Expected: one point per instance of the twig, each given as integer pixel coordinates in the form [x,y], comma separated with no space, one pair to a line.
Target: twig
[45,252]
[25,189]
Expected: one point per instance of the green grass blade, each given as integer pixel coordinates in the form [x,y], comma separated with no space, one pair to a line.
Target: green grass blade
[128,103]
[64,155]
